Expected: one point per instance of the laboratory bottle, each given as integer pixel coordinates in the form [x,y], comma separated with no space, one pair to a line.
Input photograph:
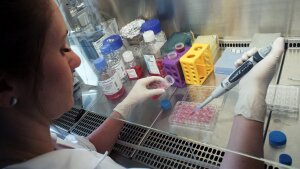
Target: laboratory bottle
[108,80]
[133,67]
[116,49]
[114,61]
[151,54]
[154,25]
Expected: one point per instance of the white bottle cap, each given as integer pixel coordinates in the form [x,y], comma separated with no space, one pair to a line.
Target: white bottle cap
[148,36]
[128,56]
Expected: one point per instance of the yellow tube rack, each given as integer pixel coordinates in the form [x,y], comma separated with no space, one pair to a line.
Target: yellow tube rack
[197,64]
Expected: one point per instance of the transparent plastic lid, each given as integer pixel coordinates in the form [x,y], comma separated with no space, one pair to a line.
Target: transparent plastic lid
[283,100]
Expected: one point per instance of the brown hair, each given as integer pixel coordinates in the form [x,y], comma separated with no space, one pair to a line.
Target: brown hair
[24,25]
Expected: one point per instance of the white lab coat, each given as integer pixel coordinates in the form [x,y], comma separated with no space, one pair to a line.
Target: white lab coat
[81,154]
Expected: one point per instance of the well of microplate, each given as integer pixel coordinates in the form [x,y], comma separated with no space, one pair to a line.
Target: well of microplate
[283,100]
[184,114]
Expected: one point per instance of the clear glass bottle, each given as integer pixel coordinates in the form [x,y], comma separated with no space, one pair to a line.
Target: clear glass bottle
[133,67]
[152,55]
[117,49]
[108,80]
[114,61]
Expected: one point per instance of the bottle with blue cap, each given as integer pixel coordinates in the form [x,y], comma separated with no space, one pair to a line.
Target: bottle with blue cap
[155,26]
[112,52]
[108,80]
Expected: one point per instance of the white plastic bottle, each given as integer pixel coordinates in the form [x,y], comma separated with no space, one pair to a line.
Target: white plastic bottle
[133,67]
[151,54]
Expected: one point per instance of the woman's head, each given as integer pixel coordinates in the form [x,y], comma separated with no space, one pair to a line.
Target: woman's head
[38,67]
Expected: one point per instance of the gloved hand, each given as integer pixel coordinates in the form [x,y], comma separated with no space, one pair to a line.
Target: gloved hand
[139,93]
[253,86]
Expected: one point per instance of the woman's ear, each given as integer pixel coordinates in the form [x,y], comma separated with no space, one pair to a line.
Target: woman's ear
[7,93]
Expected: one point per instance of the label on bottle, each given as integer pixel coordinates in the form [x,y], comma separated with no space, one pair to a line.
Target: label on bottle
[120,69]
[97,45]
[151,64]
[111,85]
[131,73]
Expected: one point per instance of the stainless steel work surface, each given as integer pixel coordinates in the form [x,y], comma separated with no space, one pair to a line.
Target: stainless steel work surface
[284,121]
[144,114]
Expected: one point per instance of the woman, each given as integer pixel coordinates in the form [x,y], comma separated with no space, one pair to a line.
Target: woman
[36,87]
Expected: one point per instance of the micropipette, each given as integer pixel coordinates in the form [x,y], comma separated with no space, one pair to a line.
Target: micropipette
[234,78]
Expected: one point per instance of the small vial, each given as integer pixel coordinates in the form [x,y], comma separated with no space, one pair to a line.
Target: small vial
[133,68]
[169,81]
[152,55]
[108,80]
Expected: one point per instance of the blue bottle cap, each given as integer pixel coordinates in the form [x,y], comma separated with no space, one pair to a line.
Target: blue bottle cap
[165,104]
[105,49]
[152,24]
[285,159]
[115,42]
[100,64]
[277,138]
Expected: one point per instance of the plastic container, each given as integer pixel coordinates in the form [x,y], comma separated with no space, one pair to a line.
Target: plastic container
[184,114]
[169,82]
[152,55]
[172,65]
[154,25]
[112,51]
[175,38]
[133,67]
[225,64]
[283,100]
[90,43]
[197,64]
[213,42]
[109,82]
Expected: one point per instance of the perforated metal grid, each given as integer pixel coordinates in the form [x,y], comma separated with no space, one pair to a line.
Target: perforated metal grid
[293,43]
[130,133]
[270,167]
[157,150]
[157,161]
[67,120]
[233,43]
[177,146]
[88,123]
